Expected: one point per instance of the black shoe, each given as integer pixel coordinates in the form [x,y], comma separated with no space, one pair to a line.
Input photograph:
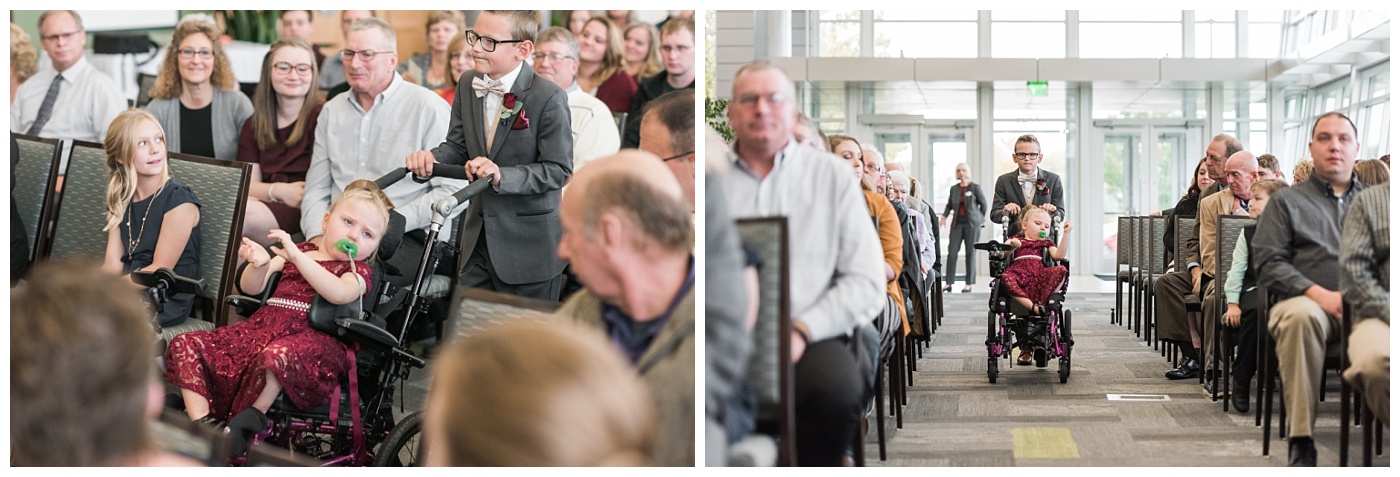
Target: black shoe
[1209,394]
[1301,452]
[1189,369]
[1239,397]
[243,427]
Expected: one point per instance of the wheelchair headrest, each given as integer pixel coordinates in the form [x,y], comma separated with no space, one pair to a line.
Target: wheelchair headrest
[393,236]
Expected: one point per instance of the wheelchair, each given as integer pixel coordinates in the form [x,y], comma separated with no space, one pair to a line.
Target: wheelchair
[349,430]
[1010,325]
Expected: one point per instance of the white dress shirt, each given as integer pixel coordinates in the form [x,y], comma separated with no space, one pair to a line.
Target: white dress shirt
[595,132]
[86,104]
[352,143]
[1028,184]
[492,101]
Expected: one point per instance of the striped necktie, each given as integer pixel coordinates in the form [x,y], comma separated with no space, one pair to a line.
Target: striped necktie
[46,108]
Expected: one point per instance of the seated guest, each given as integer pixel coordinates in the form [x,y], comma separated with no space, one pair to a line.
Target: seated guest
[1187,206]
[837,286]
[668,130]
[602,69]
[1241,172]
[628,237]
[459,62]
[1371,172]
[594,132]
[1242,297]
[1269,167]
[678,58]
[640,50]
[237,371]
[333,80]
[883,214]
[23,59]
[277,139]
[536,394]
[140,184]
[619,17]
[195,97]
[430,69]
[807,134]
[927,240]
[1365,258]
[1297,242]
[72,100]
[576,19]
[298,24]
[19,241]
[1302,171]
[82,388]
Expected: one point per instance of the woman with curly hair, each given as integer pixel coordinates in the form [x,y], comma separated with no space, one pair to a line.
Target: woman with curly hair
[24,59]
[196,98]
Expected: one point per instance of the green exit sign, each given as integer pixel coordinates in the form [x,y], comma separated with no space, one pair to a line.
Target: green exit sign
[1038,89]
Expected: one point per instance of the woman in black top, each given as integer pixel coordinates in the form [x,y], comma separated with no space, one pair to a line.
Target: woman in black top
[1188,205]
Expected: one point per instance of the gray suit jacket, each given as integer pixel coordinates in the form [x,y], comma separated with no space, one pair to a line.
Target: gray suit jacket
[1008,190]
[976,203]
[231,108]
[521,216]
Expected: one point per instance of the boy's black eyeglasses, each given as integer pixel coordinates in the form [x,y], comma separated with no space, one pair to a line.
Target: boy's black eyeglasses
[487,43]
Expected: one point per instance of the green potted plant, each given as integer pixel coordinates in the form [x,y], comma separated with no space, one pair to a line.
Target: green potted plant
[257,26]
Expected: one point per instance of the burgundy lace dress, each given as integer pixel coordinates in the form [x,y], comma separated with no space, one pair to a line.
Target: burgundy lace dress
[228,365]
[1028,277]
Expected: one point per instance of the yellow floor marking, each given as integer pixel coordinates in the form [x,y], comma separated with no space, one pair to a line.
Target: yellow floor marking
[1043,443]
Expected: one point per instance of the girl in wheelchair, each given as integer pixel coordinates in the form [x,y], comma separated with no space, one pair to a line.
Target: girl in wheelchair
[1027,280]
[243,367]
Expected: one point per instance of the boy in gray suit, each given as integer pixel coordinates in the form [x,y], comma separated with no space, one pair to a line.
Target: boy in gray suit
[512,127]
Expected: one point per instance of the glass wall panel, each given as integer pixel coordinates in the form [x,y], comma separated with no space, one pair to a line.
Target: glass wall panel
[924,15]
[926,39]
[1134,99]
[1128,40]
[1028,15]
[1264,39]
[930,99]
[1215,40]
[1130,15]
[1029,40]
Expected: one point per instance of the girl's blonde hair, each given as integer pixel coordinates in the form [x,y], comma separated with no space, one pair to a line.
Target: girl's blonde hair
[120,146]
[539,394]
[367,191]
[1027,212]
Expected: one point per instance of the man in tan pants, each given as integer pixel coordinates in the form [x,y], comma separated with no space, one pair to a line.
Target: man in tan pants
[1366,287]
[1297,239]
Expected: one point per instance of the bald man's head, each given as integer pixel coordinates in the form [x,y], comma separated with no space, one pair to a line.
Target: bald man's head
[1241,171]
[636,186]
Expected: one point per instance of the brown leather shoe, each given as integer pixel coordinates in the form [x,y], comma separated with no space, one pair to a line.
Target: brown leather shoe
[1024,359]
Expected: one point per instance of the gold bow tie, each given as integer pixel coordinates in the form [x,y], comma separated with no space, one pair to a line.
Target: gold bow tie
[483,86]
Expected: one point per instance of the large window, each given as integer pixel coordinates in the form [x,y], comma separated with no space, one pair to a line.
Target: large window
[930,99]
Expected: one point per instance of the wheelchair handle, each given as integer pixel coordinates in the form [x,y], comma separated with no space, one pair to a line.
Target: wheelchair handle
[164,279]
[439,170]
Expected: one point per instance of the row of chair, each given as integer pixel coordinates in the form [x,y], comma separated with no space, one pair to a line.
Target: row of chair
[1138,258]
[770,374]
[68,223]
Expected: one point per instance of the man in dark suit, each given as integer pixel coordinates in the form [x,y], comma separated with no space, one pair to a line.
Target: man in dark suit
[512,126]
[1028,184]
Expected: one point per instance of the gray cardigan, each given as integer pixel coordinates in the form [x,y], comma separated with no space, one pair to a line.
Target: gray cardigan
[231,108]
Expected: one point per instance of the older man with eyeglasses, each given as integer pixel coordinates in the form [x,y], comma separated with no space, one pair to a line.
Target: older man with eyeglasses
[71,100]
[838,282]
[364,133]
[1028,185]
[595,133]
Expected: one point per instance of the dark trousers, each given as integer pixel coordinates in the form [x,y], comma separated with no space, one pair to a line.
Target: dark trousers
[1246,339]
[962,233]
[828,402]
[481,273]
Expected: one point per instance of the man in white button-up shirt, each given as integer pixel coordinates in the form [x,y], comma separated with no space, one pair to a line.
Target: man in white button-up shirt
[86,100]
[364,133]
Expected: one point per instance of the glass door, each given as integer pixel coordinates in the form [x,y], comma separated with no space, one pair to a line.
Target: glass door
[1146,169]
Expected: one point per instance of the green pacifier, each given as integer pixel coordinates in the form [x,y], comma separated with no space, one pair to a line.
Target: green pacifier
[1043,234]
[345,245]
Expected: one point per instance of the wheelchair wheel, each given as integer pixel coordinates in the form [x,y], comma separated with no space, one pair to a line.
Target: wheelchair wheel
[992,370]
[403,447]
[1064,370]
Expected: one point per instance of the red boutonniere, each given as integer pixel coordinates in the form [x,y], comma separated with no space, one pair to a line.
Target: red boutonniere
[511,107]
[1040,186]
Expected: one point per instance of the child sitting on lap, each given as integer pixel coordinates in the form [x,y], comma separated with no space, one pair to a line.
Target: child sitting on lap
[241,368]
